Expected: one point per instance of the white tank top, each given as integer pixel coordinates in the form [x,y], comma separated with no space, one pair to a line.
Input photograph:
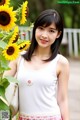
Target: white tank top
[37,89]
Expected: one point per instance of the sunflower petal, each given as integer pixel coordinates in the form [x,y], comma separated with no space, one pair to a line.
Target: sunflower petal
[24,12]
[7,18]
[15,35]
[6,2]
[24,45]
[11,51]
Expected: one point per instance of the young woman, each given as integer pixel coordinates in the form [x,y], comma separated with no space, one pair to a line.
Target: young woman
[42,72]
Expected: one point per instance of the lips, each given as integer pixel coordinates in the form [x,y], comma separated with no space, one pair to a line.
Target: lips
[44,41]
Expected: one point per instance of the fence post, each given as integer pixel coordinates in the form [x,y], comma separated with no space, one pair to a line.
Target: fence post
[75,43]
[70,42]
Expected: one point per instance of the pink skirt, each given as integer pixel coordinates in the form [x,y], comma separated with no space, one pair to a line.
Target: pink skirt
[21,117]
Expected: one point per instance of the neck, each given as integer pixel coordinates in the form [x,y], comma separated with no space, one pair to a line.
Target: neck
[42,53]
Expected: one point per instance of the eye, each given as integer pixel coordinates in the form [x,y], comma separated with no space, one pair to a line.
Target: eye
[40,27]
[52,31]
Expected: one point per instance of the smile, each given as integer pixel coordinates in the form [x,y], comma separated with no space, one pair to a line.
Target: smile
[44,41]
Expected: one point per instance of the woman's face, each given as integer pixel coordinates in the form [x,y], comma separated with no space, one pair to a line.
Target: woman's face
[45,36]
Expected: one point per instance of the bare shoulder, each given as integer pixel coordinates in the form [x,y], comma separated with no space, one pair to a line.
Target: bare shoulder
[63,62]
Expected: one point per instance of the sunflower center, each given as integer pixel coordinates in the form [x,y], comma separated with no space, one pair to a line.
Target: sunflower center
[10,50]
[4,18]
[2,2]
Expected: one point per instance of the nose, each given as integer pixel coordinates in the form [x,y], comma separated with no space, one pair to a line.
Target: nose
[44,34]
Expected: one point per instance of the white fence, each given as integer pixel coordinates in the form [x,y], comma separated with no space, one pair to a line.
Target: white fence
[71,38]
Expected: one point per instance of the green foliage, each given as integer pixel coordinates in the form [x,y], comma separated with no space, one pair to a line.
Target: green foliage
[6,109]
[68,21]
[16,3]
[2,91]
[4,82]
[3,64]
[3,106]
[69,12]
[2,44]
[9,44]
[3,85]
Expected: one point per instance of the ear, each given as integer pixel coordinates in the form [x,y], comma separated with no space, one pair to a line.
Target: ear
[59,33]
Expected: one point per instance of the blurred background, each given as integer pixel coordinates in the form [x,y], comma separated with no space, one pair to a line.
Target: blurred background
[70,46]
[70,13]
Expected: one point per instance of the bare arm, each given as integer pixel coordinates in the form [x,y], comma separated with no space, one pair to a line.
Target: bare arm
[62,95]
[13,69]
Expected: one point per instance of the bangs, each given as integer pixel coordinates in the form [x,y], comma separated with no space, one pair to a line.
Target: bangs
[46,21]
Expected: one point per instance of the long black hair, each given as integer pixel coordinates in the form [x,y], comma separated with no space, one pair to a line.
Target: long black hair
[46,18]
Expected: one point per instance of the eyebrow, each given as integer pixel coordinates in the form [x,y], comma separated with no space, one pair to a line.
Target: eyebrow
[49,27]
[52,28]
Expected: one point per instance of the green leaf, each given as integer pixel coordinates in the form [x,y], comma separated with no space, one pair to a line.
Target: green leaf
[2,44]
[2,69]
[1,35]
[1,50]
[2,91]
[4,109]
[11,79]
[4,82]
[3,106]
[8,36]
[4,63]
[3,103]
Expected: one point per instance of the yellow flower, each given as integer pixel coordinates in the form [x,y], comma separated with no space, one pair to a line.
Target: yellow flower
[15,35]
[11,51]
[24,13]
[2,2]
[24,45]
[7,18]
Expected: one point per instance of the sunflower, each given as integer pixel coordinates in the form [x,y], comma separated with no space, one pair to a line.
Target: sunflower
[25,11]
[2,2]
[15,35]
[7,18]
[24,45]
[11,51]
